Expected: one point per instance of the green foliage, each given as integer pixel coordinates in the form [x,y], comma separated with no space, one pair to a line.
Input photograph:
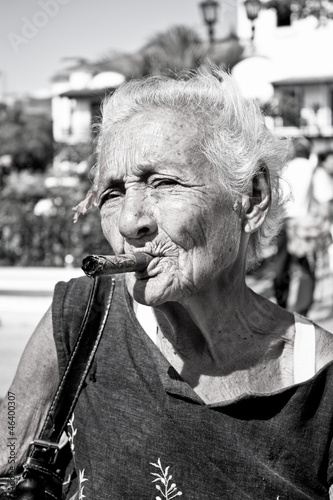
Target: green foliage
[74,152]
[28,239]
[27,138]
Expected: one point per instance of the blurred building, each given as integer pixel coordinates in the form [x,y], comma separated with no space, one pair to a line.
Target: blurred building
[77,95]
[288,69]
[293,59]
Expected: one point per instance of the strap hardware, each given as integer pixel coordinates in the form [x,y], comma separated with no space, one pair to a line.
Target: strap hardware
[46,447]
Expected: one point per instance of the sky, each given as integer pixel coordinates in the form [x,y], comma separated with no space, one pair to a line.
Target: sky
[37,34]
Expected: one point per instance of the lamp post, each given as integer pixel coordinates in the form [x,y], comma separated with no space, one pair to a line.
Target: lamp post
[209,10]
[252,11]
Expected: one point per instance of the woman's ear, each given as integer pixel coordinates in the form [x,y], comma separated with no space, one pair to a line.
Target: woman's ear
[255,207]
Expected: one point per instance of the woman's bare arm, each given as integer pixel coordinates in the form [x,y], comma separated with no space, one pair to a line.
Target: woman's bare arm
[34,385]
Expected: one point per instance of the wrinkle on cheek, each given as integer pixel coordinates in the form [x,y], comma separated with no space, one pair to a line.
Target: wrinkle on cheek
[194,235]
[186,232]
[110,229]
[186,237]
[201,233]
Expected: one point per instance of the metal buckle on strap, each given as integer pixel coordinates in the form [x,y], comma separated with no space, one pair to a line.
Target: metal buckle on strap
[47,447]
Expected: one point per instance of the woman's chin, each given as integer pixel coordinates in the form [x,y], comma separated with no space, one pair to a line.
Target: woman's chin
[146,292]
[151,290]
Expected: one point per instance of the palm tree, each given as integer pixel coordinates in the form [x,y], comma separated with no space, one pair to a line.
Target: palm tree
[227,53]
[129,65]
[174,52]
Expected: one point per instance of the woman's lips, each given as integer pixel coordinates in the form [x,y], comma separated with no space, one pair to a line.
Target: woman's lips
[150,271]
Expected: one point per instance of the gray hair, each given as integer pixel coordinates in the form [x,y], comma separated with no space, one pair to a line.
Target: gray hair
[235,138]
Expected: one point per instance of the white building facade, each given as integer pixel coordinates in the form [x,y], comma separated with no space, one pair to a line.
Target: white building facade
[295,62]
[76,100]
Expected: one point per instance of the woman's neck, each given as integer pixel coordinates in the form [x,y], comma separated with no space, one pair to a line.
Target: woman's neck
[206,318]
[224,346]
[226,331]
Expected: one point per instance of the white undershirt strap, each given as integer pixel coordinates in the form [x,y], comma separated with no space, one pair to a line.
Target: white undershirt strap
[147,319]
[304,349]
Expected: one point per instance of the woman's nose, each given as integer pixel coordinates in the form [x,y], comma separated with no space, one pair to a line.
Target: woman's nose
[136,219]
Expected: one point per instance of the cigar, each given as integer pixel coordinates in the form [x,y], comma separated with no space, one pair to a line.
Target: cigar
[95,265]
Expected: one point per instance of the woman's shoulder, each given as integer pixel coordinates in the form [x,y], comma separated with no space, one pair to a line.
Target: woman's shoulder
[313,343]
[83,285]
[71,298]
[324,347]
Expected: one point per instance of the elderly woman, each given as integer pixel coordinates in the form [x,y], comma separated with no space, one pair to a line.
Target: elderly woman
[200,388]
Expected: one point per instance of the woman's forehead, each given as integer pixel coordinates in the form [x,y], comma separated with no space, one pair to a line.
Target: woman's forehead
[151,133]
[153,141]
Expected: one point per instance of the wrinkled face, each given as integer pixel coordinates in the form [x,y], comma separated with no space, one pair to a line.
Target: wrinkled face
[158,194]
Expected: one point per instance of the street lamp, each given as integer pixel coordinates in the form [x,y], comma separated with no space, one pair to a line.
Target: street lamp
[252,11]
[209,11]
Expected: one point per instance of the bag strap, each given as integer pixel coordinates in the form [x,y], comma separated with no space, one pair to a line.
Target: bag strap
[46,447]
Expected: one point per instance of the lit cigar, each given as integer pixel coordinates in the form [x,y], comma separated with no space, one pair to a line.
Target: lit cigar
[95,265]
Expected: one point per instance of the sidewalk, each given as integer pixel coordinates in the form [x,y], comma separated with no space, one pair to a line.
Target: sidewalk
[26,293]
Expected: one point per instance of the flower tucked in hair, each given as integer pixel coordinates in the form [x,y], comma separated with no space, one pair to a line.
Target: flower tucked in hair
[85,204]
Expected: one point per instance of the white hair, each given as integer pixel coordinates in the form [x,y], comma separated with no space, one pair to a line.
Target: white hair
[235,138]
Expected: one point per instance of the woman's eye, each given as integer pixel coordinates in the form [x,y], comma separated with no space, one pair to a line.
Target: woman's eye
[111,195]
[164,183]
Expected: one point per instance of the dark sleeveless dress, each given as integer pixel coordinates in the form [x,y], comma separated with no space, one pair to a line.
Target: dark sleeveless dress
[140,432]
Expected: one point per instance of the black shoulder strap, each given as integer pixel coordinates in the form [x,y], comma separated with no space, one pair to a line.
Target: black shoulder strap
[80,360]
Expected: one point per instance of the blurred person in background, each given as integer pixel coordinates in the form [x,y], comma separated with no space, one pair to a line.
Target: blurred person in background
[200,388]
[323,183]
[323,192]
[304,232]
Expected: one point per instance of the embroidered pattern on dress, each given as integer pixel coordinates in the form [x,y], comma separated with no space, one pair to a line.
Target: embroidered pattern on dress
[167,490]
[81,479]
